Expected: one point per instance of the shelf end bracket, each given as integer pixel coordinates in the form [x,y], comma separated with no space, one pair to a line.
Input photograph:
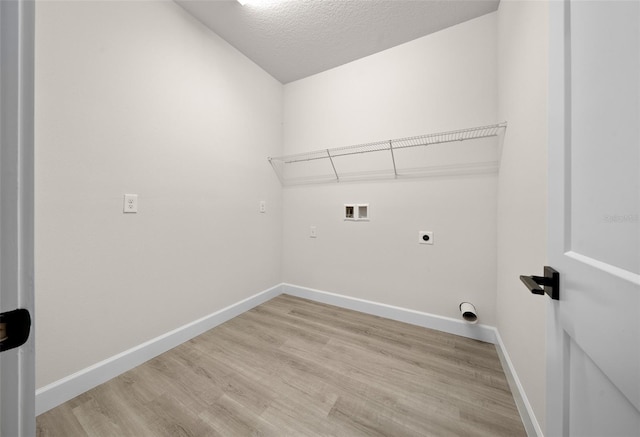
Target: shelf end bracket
[393,158]
[333,166]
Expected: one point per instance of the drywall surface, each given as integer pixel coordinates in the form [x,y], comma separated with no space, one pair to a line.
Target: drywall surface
[523,72]
[139,97]
[441,82]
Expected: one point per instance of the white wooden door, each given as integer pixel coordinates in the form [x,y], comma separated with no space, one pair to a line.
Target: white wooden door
[17,387]
[593,331]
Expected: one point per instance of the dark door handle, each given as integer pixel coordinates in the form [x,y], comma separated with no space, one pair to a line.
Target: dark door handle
[550,283]
[15,327]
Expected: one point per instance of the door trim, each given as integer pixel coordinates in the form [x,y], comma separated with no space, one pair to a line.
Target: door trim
[17,35]
[558,162]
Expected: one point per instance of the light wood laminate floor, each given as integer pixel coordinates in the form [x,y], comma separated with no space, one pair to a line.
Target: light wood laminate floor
[293,367]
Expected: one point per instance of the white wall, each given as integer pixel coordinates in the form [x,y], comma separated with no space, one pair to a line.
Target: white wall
[138,97]
[440,82]
[522,206]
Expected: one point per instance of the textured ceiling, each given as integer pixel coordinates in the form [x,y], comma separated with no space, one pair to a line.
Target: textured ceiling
[293,39]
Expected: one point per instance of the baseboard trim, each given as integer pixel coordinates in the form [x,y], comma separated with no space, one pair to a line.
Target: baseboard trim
[485,333]
[426,320]
[73,385]
[531,425]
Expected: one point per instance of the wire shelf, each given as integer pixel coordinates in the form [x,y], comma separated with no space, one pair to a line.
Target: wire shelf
[280,163]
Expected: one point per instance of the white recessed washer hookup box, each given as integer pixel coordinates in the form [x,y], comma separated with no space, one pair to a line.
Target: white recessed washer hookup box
[356,212]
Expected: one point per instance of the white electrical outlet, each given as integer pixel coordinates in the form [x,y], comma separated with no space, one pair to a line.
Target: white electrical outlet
[263,206]
[425,237]
[131,203]
[313,232]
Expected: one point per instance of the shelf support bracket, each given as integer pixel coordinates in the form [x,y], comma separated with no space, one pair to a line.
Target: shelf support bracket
[393,158]
[333,166]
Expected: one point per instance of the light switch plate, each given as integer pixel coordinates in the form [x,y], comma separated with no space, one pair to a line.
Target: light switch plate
[313,232]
